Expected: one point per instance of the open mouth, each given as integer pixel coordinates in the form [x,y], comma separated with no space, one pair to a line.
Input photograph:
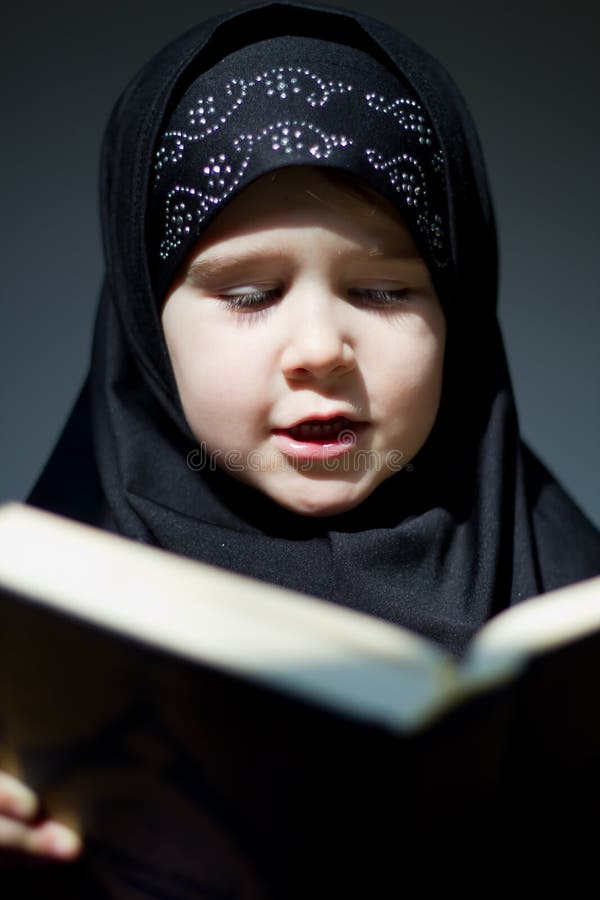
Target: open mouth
[322,431]
[319,439]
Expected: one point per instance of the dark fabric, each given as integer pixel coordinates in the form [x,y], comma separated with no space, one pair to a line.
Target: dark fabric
[294,101]
[474,525]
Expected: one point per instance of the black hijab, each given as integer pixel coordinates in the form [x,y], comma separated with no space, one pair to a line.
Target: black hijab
[473,525]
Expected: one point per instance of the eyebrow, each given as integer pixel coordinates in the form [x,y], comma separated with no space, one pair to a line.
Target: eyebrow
[213,266]
[387,256]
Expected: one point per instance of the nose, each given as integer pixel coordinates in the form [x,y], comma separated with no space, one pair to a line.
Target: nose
[317,345]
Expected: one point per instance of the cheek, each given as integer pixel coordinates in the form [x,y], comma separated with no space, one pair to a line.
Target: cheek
[410,368]
[411,390]
[211,369]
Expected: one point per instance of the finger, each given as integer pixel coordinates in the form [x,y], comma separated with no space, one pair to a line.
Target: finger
[50,839]
[16,799]
[55,840]
[13,834]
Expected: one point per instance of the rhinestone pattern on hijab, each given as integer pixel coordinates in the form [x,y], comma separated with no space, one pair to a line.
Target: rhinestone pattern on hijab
[230,126]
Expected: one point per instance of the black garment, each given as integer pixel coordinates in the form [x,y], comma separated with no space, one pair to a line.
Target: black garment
[474,525]
[295,101]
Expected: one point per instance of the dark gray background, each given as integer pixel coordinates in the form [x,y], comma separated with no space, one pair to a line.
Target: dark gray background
[530,73]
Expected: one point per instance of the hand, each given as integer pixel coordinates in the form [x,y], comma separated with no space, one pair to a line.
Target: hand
[23,831]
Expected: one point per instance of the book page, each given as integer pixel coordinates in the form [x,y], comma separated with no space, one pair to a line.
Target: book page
[329,655]
[532,628]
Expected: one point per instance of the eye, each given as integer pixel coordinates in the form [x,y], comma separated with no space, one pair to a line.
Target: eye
[382,298]
[250,301]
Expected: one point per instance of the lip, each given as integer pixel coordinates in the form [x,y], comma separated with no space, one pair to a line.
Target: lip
[320,417]
[297,449]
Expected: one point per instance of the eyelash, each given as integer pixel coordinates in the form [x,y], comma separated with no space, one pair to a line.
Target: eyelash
[381,298]
[253,301]
[256,301]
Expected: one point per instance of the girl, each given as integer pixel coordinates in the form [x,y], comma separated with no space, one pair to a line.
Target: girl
[297,370]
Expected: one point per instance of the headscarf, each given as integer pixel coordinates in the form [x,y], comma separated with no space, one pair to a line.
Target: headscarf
[294,101]
[473,525]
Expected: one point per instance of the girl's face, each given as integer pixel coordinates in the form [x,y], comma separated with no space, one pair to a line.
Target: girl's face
[307,341]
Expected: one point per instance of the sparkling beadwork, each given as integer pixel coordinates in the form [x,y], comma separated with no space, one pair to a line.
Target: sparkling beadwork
[406,111]
[216,190]
[277,80]
[406,175]
[187,206]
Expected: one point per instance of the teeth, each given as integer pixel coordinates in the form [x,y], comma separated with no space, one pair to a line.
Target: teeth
[320,431]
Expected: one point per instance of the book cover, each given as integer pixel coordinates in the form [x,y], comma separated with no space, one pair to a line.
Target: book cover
[213,736]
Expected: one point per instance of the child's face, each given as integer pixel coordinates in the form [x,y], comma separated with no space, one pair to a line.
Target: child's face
[307,342]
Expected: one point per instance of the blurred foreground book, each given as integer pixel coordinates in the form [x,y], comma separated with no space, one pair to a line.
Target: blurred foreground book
[213,736]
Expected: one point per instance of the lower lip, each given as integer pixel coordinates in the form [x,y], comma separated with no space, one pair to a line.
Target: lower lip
[329,449]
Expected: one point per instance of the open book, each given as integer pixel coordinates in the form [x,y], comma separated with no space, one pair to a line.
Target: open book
[215,736]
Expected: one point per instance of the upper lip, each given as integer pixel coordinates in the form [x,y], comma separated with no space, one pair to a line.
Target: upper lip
[323,417]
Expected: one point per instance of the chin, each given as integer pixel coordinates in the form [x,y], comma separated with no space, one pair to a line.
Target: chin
[314,505]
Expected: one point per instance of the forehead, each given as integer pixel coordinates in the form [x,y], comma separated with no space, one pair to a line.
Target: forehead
[311,196]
